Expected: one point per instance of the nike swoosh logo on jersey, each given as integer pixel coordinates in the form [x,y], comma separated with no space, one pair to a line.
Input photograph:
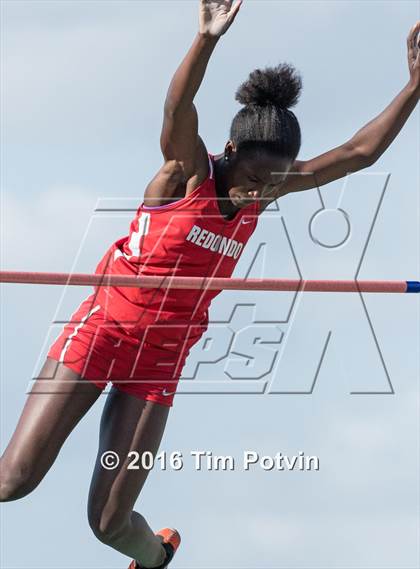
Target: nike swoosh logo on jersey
[166,393]
[245,221]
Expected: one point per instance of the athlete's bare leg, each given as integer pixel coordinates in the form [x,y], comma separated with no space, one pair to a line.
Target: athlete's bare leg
[58,400]
[127,424]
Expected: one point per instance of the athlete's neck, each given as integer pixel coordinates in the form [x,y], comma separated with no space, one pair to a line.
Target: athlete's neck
[222,183]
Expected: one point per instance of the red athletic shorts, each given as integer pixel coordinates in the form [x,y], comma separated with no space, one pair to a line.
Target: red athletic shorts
[100,350]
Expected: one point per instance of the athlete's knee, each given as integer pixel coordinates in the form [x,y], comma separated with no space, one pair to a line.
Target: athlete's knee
[108,524]
[15,482]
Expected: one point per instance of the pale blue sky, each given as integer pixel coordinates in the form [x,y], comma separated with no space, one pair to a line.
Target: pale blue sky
[82,89]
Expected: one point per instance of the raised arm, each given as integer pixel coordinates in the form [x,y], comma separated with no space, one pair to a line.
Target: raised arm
[179,138]
[370,142]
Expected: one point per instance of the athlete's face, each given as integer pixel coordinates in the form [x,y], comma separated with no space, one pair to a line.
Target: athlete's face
[256,177]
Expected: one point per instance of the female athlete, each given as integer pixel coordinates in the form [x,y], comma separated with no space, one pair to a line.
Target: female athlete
[197,215]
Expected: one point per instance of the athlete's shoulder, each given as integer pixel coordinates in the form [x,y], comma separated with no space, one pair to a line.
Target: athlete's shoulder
[170,184]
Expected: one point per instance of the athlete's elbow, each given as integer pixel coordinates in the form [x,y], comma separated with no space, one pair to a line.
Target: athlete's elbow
[364,157]
[369,158]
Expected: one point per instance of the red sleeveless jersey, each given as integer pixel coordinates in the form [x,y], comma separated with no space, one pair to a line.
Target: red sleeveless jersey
[188,237]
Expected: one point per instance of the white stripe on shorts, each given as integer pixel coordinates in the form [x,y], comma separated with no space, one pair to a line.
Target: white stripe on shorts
[74,333]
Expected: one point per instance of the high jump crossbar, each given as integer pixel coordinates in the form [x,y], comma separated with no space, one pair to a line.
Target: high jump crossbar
[208,283]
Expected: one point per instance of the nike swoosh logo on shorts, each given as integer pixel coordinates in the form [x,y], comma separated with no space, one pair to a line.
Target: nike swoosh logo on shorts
[166,393]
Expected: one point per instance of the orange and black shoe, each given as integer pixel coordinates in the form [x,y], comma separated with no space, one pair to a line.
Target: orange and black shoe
[170,541]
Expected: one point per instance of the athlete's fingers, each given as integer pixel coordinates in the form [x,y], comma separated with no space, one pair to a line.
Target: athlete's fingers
[234,10]
[413,39]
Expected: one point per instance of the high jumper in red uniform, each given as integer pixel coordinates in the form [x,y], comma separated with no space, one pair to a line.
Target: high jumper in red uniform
[198,213]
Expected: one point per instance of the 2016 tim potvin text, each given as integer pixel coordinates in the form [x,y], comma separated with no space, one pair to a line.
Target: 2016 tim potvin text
[205,460]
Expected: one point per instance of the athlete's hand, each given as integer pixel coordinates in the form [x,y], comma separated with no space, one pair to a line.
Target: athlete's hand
[413,54]
[216,16]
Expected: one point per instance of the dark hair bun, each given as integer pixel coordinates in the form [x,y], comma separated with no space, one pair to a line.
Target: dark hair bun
[279,86]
